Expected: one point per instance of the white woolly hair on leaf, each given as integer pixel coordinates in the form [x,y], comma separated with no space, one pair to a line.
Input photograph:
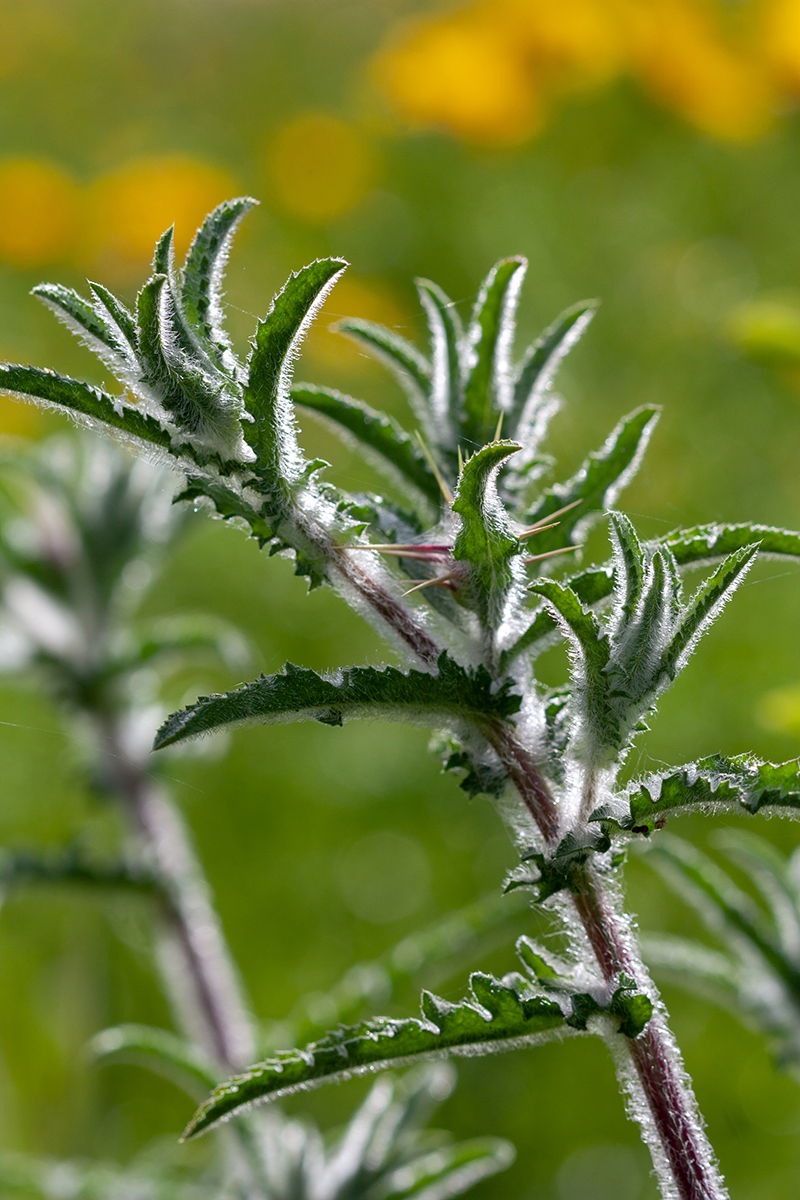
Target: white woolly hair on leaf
[216,315]
[155,455]
[289,449]
[503,372]
[533,426]
[169,315]
[615,490]
[441,383]
[537,401]
[115,360]
[502,375]
[712,615]
[640,649]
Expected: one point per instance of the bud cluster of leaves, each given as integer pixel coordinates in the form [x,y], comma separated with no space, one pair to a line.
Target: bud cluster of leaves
[459,577]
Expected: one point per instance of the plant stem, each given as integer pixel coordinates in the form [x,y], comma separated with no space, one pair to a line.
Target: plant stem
[197,962]
[675,1131]
[649,1067]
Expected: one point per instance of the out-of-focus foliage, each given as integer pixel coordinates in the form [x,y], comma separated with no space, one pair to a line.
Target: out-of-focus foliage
[616,197]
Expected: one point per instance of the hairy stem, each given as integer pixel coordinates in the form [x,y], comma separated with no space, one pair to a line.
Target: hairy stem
[674,1131]
[195,959]
[650,1067]
[526,778]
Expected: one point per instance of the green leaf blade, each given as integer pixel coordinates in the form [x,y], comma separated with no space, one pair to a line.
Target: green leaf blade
[201,285]
[373,1045]
[410,368]
[741,783]
[376,432]
[706,605]
[447,336]
[537,369]
[489,339]
[82,400]
[277,340]
[707,544]
[454,692]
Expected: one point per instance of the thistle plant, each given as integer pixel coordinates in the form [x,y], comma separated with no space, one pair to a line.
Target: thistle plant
[458,577]
[83,528]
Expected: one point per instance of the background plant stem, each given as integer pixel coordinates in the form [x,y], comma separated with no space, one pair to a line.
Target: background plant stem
[196,962]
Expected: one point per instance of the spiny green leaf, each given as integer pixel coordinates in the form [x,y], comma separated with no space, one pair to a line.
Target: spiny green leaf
[493,1016]
[411,369]
[709,543]
[487,387]
[376,432]
[452,937]
[201,291]
[298,693]
[83,319]
[598,483]
[228,503]
[83,400]
[159,1051]
[277,340]
[737,783]
[447,334]
[591,586]
[485,540]
[540,363]
[630,564]
[636,667]
[703,545]
[175,333]
[118,312]
[496,1015]
[706,605]
[584,630]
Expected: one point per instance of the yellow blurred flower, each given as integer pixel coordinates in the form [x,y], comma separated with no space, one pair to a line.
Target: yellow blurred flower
[779,709]
[467,74]
[680,57]
[135,204]
[320,167]
[488,70]
[780,34]
[574,42]
[38,212]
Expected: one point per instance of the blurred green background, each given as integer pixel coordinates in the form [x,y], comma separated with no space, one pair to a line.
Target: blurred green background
[662,175]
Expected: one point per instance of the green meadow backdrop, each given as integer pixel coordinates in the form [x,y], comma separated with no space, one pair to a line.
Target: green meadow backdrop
[362,127]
